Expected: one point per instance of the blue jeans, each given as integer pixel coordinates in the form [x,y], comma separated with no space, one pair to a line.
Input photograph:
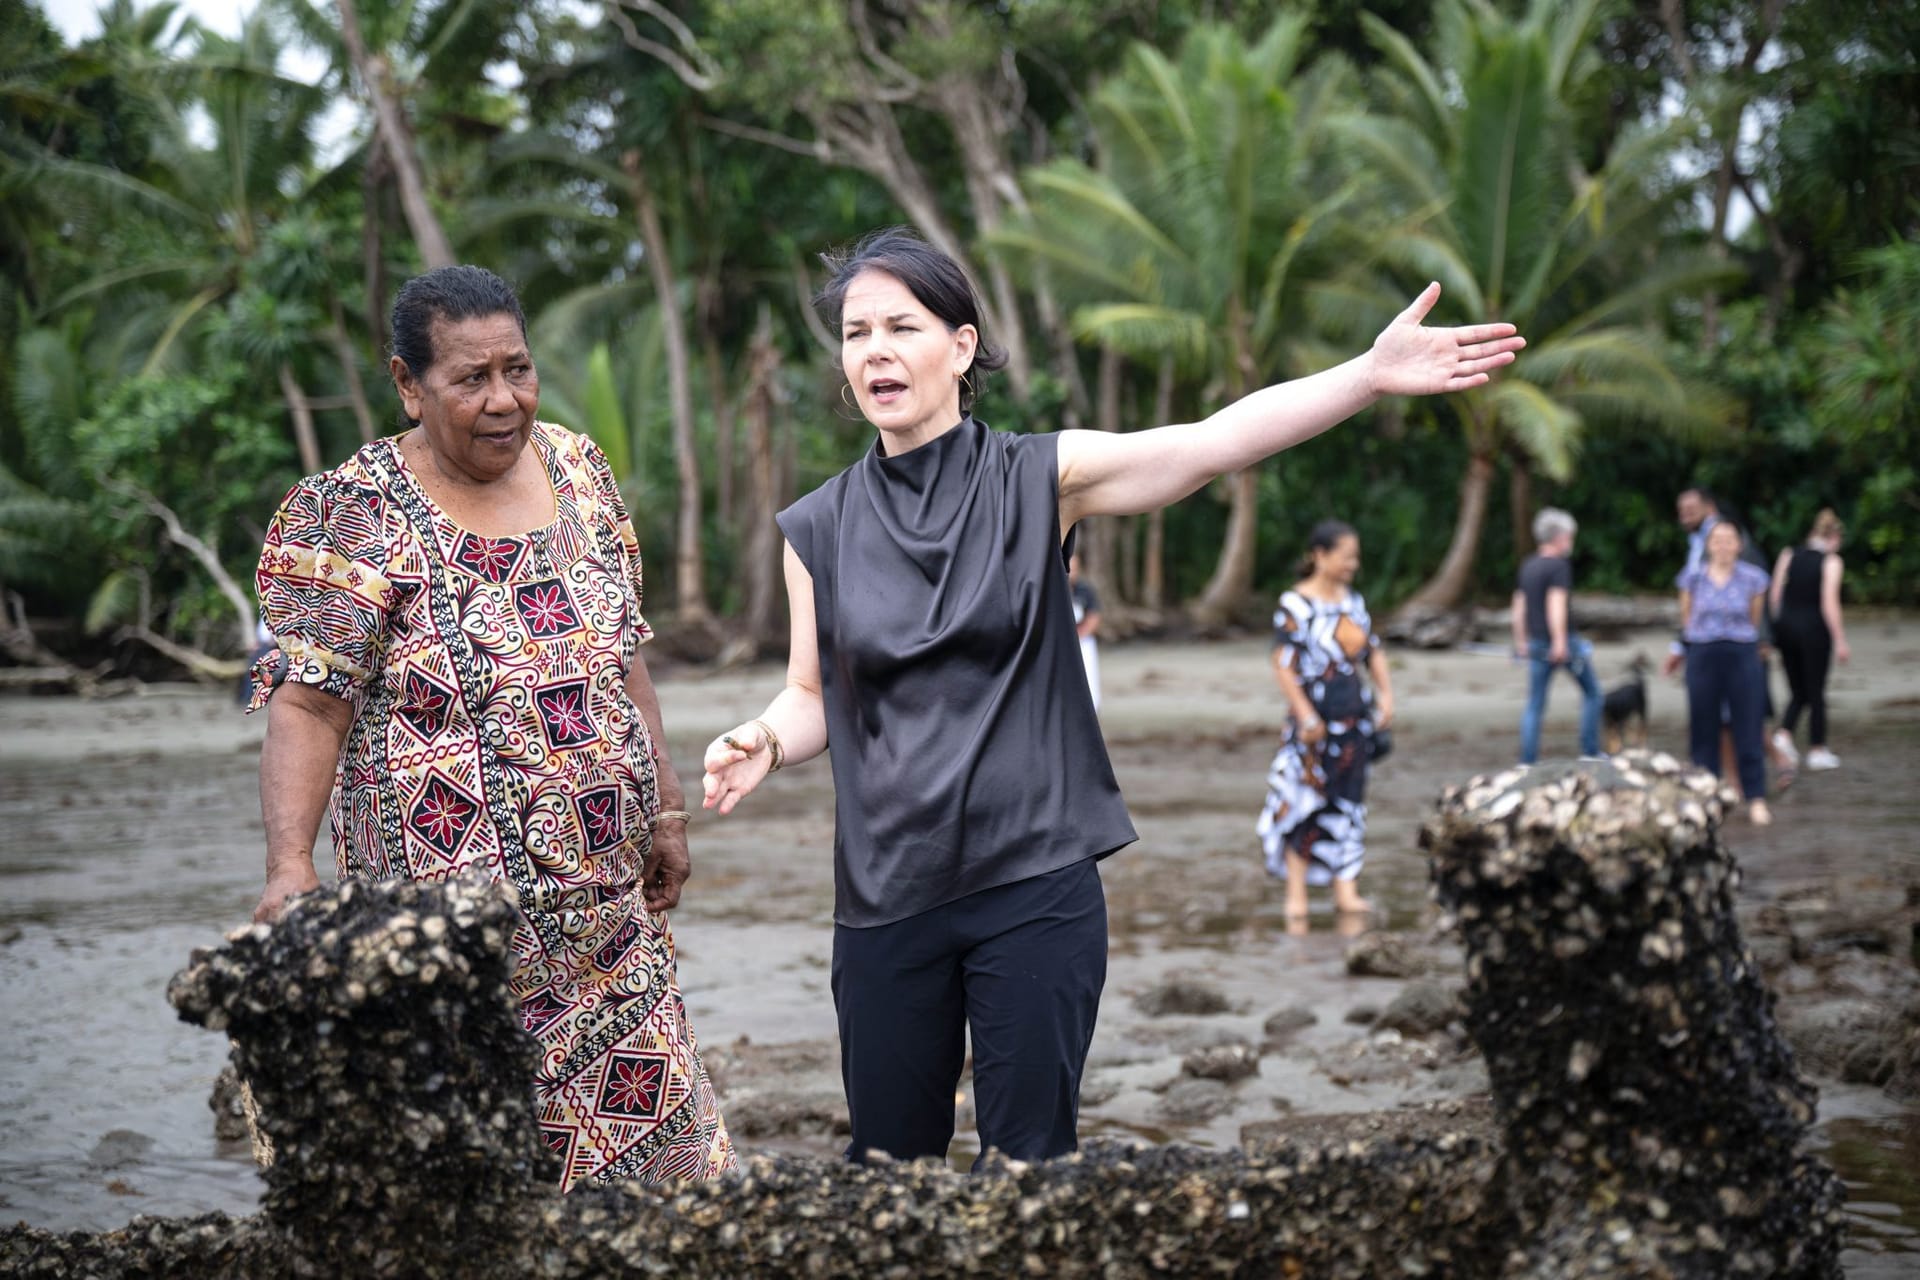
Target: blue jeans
[1540,671]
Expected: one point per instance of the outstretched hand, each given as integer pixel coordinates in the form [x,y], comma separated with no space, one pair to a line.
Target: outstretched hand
[1410,359]
[736,763]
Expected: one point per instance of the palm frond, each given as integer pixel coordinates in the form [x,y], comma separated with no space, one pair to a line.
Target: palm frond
[1091,195]
[1546,428]
[92,181]
[1424,256]
[1396,149]
[1434,114]
[605,420]
[1506,172]
[1671,277]
[1700,418]
[1145,332]
[1569,27]
[1078,268]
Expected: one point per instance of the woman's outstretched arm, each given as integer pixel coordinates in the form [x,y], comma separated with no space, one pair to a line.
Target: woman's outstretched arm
[1102,473]
[738,760]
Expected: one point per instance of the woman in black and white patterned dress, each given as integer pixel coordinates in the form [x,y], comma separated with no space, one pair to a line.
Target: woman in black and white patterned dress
[1333,672]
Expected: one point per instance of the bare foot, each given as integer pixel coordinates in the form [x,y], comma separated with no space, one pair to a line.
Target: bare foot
[1349,901]
[1759,814]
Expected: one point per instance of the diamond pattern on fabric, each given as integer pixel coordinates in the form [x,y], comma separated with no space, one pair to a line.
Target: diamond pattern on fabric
[444,815]
[425,704]
[599,813]
[563,714]
[546,608]
[490,559]
[633,1086]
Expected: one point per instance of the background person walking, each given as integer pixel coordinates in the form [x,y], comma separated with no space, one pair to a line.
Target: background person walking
[1808,632]
[1543,633]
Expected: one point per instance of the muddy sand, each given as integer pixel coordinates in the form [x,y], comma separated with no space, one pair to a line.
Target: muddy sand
[132,834]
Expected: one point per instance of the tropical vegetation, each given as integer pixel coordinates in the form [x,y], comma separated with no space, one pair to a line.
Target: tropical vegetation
[1702,213]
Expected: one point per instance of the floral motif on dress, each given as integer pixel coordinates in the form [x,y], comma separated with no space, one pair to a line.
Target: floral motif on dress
[493,735]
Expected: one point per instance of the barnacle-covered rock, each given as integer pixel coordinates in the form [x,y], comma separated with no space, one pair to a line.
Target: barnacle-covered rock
[1228,1062]
[1649,1114]
[376,1030]
[1651,1110]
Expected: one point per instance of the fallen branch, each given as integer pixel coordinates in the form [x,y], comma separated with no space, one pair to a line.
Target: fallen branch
[201,551]
[201,664]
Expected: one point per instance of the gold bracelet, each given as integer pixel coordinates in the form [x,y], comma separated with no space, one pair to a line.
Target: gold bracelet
[773,746]
[665,814]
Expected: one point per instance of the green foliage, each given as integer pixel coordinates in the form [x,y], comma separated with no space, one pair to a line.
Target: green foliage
[1868,409]
[1212,210]
[1252,197]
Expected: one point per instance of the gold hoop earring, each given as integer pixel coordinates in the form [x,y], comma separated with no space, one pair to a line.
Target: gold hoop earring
[846,399]
[973,393]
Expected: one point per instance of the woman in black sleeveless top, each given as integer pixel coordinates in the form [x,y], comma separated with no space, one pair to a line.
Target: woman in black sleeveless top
[933,646]
[1807,630]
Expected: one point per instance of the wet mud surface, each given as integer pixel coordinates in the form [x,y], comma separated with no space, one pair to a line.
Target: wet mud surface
[132,835]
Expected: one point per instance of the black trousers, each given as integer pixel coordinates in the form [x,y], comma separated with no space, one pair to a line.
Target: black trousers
[1020,966]
[1806,651]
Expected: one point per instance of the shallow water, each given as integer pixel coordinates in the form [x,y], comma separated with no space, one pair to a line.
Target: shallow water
[132,836]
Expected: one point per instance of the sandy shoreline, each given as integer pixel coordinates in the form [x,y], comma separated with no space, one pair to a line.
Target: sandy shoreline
[134,835]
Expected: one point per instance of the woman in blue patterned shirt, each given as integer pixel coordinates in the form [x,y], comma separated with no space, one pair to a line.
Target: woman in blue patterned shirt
[1721,601]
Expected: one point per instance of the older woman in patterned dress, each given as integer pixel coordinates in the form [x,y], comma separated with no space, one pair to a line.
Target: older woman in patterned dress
[457,610]
[1314,824]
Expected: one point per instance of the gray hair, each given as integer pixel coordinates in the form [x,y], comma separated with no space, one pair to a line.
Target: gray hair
[1551,523]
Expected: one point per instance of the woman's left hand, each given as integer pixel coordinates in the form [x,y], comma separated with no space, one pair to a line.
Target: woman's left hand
[1409,359]
[1382,713]
[667,867]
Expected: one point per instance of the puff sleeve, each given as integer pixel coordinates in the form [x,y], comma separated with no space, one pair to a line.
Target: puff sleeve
[607,490]
[324,589]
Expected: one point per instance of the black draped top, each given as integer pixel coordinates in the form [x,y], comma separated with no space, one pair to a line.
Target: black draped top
[965,749]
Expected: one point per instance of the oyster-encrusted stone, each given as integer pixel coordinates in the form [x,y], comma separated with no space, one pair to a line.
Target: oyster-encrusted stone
[1636,1067]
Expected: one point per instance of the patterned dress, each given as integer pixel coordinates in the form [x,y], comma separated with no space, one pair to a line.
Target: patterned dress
[493,736]
[1316,794]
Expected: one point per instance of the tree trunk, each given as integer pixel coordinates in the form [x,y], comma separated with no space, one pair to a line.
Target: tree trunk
[1066,355]
[397,136]
[1520,504]
[1232,579]
[304,436]
[343,352]
[1153,585]
[718,396]
[762,550]
[1444,590]
[373,253]
[1097,533]
[689,578]
[1153,577]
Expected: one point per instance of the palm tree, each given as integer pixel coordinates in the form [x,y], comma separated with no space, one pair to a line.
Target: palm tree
[1499,210]
[1215,206]
[204,218]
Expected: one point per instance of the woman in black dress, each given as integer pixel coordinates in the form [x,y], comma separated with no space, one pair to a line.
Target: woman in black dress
[1808,632]
[933,646]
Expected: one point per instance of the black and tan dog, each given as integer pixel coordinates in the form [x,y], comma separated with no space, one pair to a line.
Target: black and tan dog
[1623,711]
